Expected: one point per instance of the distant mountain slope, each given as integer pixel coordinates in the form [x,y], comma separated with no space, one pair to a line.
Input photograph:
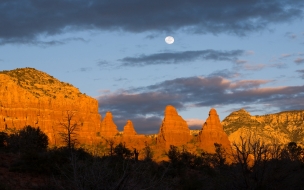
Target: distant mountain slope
[282,127]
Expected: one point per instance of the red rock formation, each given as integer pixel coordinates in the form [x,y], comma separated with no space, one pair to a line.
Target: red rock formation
[32,97]
[108,127]
[212,132]
[174,129]
[129,129]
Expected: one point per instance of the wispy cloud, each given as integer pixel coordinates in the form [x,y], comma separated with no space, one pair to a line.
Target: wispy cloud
[290,35]
[181,57]
[301,72]
[250,52]
[102,63]
[285,55]
[195,123]
[255,67]
[238,61]
[56,17]
[299,60]
[85,69]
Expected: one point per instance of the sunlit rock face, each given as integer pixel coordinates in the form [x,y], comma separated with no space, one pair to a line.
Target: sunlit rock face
[212,132]
[31,97]
[174,129]
[129,129]
[108,127]
[279,128]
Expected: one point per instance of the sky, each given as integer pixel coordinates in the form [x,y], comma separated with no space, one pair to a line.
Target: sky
[226,55]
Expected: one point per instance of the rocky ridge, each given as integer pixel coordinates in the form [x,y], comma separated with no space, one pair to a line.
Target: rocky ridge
[281,128]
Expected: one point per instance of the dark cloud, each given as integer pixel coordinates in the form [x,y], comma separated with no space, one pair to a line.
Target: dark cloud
[43,44]
[199,92]
[225,73]
[301,72]
[124,103]
[27,19]
[299,60]
[142,125]
[181,57]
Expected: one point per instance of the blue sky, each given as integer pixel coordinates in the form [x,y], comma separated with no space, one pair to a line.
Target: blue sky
[227,54]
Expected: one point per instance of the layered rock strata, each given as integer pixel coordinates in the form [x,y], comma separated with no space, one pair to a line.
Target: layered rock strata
[174,129]
[108,128]
[32,97]
[212,132]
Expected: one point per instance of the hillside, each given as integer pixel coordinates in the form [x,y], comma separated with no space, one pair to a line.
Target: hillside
[40,83]
[282,127]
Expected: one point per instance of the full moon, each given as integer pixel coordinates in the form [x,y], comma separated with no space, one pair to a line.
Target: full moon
[169,40]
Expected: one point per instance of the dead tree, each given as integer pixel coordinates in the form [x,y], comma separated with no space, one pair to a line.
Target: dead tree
[69,129]
[110,142]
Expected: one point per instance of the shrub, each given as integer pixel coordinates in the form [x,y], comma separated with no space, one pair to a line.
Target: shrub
[122,152]
[28,139]
[3,139]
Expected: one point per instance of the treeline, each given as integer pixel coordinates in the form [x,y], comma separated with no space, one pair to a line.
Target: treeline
[250,164]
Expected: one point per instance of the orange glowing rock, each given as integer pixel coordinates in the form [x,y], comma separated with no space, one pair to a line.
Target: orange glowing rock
[174,129]
[212,132]
[31,97]
[129,129]
[108,127]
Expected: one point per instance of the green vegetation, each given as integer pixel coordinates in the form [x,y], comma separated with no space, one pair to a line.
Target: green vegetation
[40,84]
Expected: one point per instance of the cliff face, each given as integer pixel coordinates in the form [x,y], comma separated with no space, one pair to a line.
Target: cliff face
[174,129]
[32,97]
[279,128]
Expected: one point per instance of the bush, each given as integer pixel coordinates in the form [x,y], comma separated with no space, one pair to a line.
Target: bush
[3,139]
[28,139]
[122,152]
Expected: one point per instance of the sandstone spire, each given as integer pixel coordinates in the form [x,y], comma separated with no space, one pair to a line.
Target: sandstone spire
[174,129]
[108,127]
[212,132]
[129,129]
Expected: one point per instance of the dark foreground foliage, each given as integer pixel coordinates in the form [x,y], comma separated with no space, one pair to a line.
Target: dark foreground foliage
[274,167]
